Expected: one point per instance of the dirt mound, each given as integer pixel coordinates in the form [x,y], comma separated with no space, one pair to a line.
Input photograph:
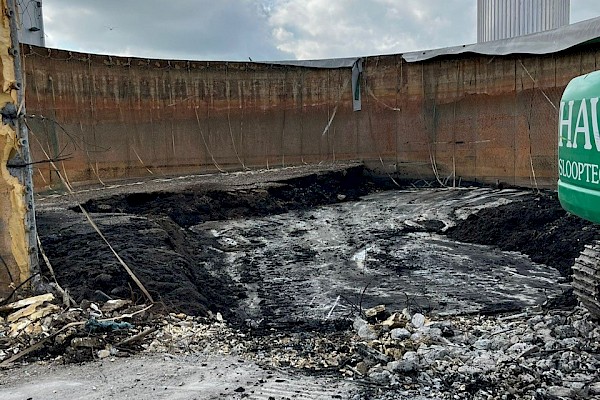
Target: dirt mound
[200,204]
[536,226]
[173,264]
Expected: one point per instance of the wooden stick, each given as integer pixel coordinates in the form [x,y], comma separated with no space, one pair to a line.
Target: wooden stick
[137,337]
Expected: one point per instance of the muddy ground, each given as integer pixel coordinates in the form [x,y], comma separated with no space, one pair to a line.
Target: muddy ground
[209,247]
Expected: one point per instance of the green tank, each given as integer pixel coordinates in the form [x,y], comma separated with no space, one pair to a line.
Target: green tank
[579,147]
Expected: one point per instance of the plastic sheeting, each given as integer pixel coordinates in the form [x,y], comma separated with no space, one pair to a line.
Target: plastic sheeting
[355,63]
[538,43]
[331,63]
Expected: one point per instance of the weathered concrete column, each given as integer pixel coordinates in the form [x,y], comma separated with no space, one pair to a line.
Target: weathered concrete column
[16,211]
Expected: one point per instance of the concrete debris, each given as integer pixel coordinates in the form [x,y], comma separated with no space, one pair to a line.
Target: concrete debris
[396,320]
[537,354]
[375,311]
[35,327]
[459,357]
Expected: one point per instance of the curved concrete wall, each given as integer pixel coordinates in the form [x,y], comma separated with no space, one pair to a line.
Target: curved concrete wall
[478,117]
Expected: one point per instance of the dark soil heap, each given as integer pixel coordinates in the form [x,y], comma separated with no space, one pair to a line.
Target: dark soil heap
[536,226]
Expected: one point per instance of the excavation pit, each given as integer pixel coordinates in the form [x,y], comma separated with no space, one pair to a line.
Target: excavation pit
[476,279]
[308,249]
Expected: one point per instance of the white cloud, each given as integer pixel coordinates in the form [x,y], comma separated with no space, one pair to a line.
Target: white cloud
[342,28]
[264,29]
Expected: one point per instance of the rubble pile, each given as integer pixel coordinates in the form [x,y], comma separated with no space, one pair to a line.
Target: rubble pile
[318,351]
[534,354]
[37,328]
[537,353]
[540,354]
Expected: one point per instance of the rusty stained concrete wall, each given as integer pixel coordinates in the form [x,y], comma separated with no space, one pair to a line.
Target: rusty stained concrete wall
[14,255]
[486,118]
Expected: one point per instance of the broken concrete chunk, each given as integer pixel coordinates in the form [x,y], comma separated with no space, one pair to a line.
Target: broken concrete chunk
[396,320]
[89,341]
[374,311]
[113,305]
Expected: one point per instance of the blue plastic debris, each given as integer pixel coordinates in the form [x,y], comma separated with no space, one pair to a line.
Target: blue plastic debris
[93,325]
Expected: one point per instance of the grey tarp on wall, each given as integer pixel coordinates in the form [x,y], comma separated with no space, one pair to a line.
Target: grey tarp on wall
[536,43]
[333,63]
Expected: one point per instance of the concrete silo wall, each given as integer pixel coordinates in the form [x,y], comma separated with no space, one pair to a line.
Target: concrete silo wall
[477,117]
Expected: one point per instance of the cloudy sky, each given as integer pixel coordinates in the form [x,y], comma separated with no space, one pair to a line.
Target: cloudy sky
[264,29]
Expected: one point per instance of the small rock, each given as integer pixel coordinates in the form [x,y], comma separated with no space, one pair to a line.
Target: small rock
[400,334]
[482,363]
[564,331]
[526,378]
[367,332]
[595,388]
[103,353]
[396,320]
[88,341]
[409,362]
[483,344]
[381,378]
[341,197]
[560,392]
[518,348]
[583,327]
[358,323]
[362,368]
[430,354]
[418,320]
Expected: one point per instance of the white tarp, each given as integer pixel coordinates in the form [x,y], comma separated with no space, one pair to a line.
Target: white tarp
[546,42]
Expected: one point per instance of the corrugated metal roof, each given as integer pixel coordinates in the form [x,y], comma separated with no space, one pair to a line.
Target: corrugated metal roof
[537,43]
